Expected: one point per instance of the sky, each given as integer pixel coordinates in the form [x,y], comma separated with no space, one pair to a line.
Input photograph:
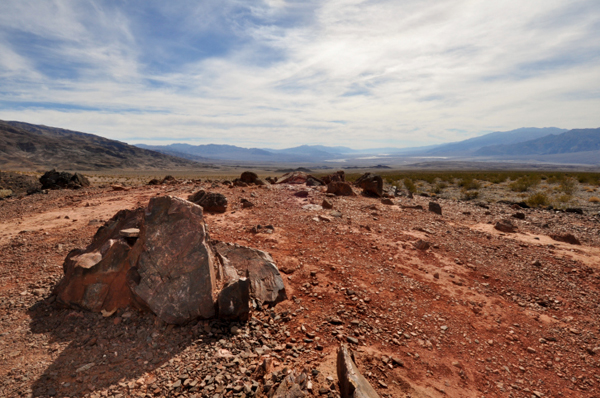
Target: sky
[276,73]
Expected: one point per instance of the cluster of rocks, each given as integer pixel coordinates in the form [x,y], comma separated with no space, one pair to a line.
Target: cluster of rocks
[161,259]
[62,180]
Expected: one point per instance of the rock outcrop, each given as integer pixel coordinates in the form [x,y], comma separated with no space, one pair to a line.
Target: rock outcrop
[294,177]
[371,184]
[161,259]
[60,180]
[505,226]
[567,238]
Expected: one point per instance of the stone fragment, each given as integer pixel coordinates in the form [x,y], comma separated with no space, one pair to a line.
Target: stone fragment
[519,216]
[340,189]
[211,202]
[301,194]
[567,238]
[435,208]
[505,226]
[312,181]
[266,283]
[246,204]
[233,301]
[327,204]
[174,275]
[421,244]
[387,201]
[130,232]
[352,383]
[371,184]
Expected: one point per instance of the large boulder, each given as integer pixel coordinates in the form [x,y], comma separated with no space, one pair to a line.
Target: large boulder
[59,180]
[340,189]
[372,184]
[249,177]
[174,275]
[234,300]
[95,279]
[567,238]
[294,177]
[266,283]
[211,202]
[352,383]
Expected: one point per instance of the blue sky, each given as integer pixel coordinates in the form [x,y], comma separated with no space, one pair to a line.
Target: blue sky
[278,73]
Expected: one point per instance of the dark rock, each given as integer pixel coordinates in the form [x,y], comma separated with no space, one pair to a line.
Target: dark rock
[246,203]
[505,226]
[338,176]
[59,180]
[249,177]
[435,207]
[340,189]
[234,300]
[371,184]
[567,238]
[174,275]
[327,204]
[387,201]
[211,202]
[301,194]
[352,382]
[154,181]
[576,210]
[519,215]
[266,284]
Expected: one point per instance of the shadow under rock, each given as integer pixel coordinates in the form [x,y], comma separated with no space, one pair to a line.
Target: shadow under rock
[103,352]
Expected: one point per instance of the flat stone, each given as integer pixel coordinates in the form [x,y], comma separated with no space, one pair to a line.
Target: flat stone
[130,232]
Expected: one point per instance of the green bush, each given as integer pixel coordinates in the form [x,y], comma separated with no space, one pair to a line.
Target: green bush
[522,184]
[466,194]
[468,184]
[568,186]
[410,185]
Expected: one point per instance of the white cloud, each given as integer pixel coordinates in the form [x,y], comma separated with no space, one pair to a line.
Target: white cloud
[357,73]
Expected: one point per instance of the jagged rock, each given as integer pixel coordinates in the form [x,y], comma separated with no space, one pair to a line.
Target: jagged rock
[266,284]
[56,180]
[387,201]
[293,386]
[519,215]
[371,184]
[249,177]
[154,181]
[174,275]
[340,189]
[95,278]
[246,204]
[211,202]
[421,244]
[338,176]
[505,226]
[302,194]
[312,181]
[352,383]
[294,177]
[435,208]
[567,238]
[234,300]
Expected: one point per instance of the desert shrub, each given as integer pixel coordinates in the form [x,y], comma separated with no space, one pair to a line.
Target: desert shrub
[594,199]
[410,185]
[439,187]
[468,184]
[564,198]
[522,184]
[538,199]
[466,194]
[590,189]
[568,186]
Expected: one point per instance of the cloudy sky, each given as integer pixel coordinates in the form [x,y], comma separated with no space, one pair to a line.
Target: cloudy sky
[277,73]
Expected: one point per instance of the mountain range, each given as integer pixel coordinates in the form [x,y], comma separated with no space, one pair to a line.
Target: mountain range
[28,146]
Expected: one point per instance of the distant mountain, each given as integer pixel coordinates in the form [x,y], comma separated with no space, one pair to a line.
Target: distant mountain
[471,145]
[29,146]
[572,141]
[304,153]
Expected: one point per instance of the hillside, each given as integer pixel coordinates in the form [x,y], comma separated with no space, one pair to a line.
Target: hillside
[572,141]
[26,146]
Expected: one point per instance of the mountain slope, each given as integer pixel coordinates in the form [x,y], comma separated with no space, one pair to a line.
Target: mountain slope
[497,138]
[572,141]
[28,146]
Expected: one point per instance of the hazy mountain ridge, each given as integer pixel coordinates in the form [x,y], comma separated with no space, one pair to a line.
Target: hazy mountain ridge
[24,145]
[572,141]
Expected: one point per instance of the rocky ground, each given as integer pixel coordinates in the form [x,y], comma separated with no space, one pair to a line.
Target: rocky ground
[479,313]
